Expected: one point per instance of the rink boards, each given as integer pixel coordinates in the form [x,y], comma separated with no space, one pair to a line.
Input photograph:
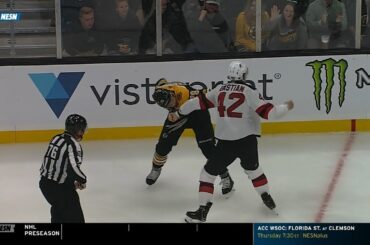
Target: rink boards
[331,94]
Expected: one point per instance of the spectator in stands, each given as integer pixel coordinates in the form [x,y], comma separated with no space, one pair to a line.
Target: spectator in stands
[123,37]
[147,6]
[269,5]
[175,35]
[350,6]
[209,28]
[104,10]
[104,14]
[288,31]
[299,9]
[146,9]
[137,7]
[245,30]
[365,36]
[70,11]
[83,40]
[326,22]
[230,10]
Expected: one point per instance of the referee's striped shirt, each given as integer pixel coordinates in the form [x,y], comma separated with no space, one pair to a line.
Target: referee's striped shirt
[63,159]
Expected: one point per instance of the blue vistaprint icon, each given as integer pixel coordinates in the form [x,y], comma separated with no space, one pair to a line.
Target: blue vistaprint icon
[57,91]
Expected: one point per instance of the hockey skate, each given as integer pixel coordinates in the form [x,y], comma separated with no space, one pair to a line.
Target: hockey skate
[227,186]
[198,216]
[153,175]
[269,202]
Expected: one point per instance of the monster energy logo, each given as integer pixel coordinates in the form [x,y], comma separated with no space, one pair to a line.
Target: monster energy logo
[330,65]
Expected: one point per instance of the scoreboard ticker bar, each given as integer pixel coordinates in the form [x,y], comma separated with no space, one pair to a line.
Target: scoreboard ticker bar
[234,233]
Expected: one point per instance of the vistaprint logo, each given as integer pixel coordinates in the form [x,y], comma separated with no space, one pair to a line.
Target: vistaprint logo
[334,71]
[57,91]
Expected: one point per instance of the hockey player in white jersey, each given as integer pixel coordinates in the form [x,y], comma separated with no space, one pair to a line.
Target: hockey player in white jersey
[239,109]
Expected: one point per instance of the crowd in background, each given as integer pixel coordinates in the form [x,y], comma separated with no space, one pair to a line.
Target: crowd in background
[128,27]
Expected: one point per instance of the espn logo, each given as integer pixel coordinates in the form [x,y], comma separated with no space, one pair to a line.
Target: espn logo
[6,228]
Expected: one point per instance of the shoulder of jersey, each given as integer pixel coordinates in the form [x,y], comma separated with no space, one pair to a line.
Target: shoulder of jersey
[249,84]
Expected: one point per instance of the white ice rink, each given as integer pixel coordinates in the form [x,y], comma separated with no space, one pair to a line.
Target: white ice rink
[313,178]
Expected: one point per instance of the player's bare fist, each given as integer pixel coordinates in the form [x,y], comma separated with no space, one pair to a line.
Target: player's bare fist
[173,116]
[290,104]
[79,185]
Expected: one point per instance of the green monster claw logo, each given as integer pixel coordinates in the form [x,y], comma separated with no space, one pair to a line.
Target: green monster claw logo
[329,65]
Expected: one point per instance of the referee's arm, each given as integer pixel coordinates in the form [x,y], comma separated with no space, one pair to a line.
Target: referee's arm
[75,159]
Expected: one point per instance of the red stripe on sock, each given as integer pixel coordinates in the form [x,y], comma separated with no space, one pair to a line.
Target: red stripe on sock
[206,187]
[258,183]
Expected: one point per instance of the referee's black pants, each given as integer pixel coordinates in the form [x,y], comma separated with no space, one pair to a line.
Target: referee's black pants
[64,201]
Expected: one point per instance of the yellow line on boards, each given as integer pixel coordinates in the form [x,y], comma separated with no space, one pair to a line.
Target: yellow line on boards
[154,131]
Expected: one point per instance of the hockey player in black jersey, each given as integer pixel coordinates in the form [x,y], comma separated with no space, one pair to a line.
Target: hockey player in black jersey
[61,174]
[171,95]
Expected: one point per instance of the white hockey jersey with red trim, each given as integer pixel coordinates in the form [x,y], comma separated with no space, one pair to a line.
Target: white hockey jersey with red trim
[239,108]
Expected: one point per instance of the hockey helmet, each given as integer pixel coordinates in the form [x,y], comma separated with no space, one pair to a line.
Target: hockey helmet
[75,123]
[237,71]
[162,97]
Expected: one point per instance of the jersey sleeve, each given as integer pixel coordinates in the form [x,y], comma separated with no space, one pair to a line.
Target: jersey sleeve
[265,109]
[75,158]
[201,102]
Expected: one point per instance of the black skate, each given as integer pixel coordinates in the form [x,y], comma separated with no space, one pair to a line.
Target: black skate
[153,175]
[268,201]
[227,186]
[198,216]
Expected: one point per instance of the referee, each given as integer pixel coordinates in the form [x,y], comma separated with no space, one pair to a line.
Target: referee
[61,174]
